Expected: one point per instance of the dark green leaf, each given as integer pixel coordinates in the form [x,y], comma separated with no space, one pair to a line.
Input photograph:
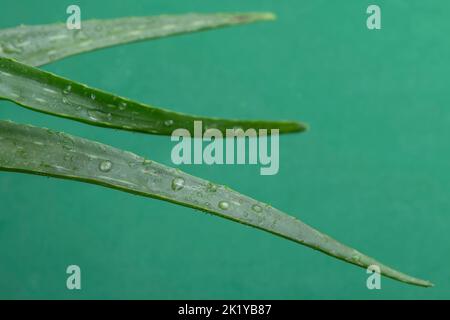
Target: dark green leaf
[45,92]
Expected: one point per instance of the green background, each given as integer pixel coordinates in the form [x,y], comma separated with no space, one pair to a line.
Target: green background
[372,171]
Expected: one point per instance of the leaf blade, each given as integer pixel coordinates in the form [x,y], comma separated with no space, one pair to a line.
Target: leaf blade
[48,93]
[45,152]
[42,44]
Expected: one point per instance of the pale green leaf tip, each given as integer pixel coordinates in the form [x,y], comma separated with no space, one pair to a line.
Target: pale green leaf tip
[267,16]
[423,283]
[257,16]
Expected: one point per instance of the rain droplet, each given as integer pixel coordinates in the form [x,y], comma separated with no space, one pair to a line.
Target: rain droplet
[105,166]
[67,89]
[168,123]
[122,105]
[92,114]
[211,187]
[256,208]
[224,205]
[177,184]
[64,100]
[92,96]
[67,142]
[98,115]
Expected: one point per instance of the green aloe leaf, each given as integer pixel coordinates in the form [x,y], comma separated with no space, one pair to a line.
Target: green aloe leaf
[41,44]
[45,92]
[45,152]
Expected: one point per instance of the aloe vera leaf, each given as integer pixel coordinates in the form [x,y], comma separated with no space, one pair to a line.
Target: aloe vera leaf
[41,44]
[45,152]
[45,92]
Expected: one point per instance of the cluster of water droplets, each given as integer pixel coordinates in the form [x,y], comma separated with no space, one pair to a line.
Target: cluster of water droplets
[178,183]
[168,123]
[98,115]
[66,91]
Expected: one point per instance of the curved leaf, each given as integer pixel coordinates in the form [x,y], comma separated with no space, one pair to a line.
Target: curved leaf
[45,92]
[41,44]
[46,152]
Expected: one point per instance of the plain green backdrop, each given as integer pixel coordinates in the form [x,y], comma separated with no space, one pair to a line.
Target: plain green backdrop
[373,171]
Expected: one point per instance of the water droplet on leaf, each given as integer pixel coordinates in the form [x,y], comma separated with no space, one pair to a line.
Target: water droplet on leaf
[256,208]
[67,89]
[105,166]
[224,205]
[177,184]
[211,187]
